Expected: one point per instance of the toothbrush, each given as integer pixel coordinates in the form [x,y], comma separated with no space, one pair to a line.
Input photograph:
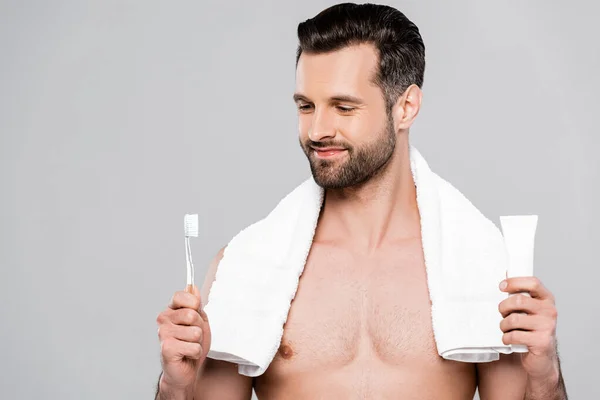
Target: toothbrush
[190,223]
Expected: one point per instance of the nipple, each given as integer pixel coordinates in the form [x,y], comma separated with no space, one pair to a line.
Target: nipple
[286,351]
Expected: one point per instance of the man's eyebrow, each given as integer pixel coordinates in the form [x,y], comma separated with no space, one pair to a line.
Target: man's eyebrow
[300,97]
[344,98]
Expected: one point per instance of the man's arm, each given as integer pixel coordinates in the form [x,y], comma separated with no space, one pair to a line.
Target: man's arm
[220,380]
[215,379]
[529,318]
[506,379]
[551,388]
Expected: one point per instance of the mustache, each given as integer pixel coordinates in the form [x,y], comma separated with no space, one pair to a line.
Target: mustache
[324,145]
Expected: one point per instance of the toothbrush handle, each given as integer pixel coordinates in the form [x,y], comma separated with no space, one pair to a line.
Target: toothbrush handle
[190,267]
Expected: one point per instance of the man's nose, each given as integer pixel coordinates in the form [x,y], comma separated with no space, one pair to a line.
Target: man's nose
[322,126]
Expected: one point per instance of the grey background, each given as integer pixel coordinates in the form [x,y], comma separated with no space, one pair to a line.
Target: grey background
[117,117]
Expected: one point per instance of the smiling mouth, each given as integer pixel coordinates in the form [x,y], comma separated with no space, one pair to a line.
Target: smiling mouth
[328,152]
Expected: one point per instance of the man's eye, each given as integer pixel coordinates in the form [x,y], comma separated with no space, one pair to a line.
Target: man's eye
[345,109]
[304,107]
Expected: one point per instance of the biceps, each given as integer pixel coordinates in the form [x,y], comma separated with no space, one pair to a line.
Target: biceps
[221,380]
[504,379]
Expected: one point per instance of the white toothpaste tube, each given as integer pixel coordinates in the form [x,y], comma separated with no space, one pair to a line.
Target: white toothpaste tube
[519,238]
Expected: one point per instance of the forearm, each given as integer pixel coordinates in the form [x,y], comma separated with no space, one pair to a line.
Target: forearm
[166,392]
[548,388]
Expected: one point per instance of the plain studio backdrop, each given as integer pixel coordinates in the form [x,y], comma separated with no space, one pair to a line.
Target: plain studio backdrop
[118,117]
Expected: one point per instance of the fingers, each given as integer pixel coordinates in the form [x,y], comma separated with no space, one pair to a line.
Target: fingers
[184,299]
[173,349]
[186,316]
[191,334]
[518,303]
[529,284]
[182,316]
[530,321]
[538,343]
[180,333]
[518,337]
[526,323]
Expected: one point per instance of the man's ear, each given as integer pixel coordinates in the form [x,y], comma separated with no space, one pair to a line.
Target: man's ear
[407,108]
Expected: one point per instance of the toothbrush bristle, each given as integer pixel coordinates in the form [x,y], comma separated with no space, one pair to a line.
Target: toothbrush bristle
[191,225]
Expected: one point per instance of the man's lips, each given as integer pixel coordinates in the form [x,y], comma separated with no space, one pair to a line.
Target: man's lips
[328,152]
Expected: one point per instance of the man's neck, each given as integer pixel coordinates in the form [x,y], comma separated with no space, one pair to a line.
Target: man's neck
[376,213]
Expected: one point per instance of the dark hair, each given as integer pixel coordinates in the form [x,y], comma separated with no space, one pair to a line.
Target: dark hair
[397,39]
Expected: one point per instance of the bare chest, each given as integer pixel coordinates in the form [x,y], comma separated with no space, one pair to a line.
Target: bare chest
[350,307]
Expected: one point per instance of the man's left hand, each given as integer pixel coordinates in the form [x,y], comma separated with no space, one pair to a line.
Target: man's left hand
[531,321]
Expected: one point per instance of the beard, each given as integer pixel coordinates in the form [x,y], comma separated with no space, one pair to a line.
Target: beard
[359,165]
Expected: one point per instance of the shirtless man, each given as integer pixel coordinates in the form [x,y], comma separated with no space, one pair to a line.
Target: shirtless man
[359,326]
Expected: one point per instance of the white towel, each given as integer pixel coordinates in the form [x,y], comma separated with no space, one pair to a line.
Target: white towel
[257,278]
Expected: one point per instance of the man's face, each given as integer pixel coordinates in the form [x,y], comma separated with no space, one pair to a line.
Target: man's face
[345,131]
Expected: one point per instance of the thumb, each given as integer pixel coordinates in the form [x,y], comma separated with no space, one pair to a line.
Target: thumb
[193,289]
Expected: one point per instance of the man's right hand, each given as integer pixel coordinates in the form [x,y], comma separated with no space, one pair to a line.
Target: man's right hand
[184,335]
